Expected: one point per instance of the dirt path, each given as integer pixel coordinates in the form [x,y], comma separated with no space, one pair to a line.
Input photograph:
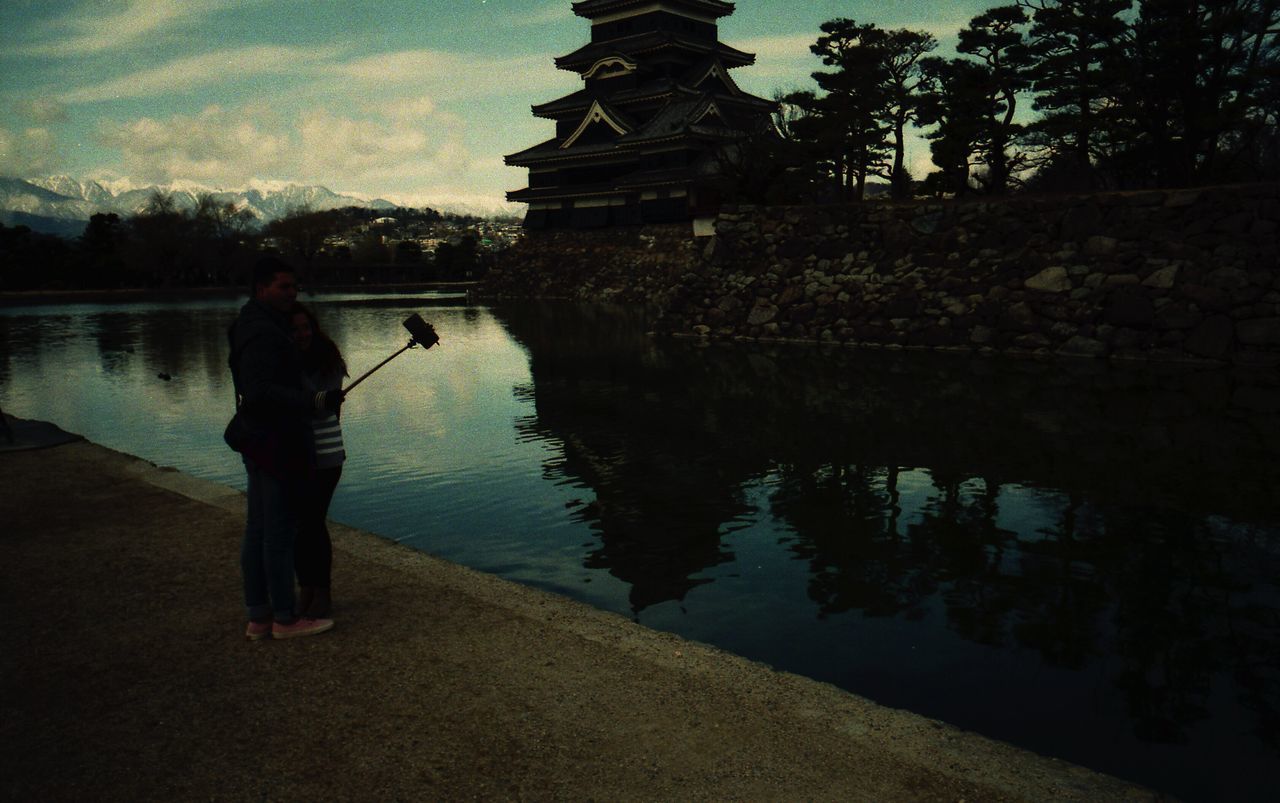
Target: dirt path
[125,676]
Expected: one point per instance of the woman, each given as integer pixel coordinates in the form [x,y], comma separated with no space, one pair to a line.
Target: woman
[313,551]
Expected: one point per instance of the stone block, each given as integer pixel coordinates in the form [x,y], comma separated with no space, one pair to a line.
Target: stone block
[1050,280]
[982,335]
[1238,223]
[1148,198]
[1032,341]
[1210,299]
[762,314]
[903,305]
[1259,332]
[1080,346]
[1130,308]
[1212,338]
[1100,245]
[1181,198]
[1177,317]
[802,313]
[1020,317]
[729,303]
[1081,222]
[1162,279]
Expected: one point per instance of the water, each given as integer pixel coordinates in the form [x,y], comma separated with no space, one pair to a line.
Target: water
[1077,559]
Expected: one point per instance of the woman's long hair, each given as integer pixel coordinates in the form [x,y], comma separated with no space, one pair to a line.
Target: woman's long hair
[324,355]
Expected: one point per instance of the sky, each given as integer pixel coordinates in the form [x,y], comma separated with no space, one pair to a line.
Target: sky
[413,101]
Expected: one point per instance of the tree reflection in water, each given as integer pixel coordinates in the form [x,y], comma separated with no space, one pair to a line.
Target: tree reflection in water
[1114,517]
[1076,558]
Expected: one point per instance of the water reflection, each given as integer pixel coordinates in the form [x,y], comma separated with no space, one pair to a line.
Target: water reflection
[1118,521]
[1077,559]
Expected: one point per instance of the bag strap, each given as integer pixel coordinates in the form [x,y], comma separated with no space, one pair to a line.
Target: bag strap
[232,362]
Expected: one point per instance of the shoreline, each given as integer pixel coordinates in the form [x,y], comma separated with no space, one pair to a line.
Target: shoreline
[439,681]
[131,295]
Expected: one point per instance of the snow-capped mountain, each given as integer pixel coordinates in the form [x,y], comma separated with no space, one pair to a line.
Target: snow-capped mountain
[58,203]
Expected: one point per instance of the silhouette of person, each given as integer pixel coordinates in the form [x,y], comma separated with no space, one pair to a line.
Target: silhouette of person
[274,405]
[324,369]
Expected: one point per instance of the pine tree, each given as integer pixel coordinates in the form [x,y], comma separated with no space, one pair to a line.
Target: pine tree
[1196,108]
[958,105]
[846,122]
[902,51]
[995,38]
[1076,46]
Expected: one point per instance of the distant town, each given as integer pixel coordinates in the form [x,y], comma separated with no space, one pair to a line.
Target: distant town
[167,239]
[404,235]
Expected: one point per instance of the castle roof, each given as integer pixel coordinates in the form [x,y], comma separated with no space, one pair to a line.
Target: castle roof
[651,42]
[662,88]
[591,9]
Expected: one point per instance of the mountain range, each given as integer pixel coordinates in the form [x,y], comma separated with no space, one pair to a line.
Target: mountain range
[62,204]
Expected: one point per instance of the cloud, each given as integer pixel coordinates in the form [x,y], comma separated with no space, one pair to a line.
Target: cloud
[410,109]
[331,144]
[782,61]
[555,12]
[42,111]
[215,146]
[208,69]
[236,147]
[447,75]
[95,27]
[27,151]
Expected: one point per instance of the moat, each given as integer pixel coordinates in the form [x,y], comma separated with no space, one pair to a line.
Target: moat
[1076,558]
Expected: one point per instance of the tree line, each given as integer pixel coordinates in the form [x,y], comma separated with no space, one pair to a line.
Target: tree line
[214,244]
[1044,95]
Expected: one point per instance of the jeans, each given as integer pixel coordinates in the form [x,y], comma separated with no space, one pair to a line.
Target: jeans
[266,554]
[313,549]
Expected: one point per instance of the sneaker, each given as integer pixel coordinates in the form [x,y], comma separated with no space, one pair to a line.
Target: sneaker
[257,631]
[301,627]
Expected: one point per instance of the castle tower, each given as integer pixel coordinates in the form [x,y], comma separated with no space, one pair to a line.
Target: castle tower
[638,143]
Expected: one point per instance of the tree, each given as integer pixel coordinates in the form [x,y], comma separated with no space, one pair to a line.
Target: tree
[303,231]
[31,259]
[101,245]
[901,52]
[408,252]
[159,240]
[102,235]
[1196,107]
[995,39]
[770,164]
[1076,47]
[225,229]
[959,105]
[371,250]
[846,124]
[456,261]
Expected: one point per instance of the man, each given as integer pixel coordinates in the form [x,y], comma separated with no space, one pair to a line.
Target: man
[275,408]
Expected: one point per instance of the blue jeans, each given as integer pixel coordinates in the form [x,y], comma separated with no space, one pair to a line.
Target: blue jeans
[266,554]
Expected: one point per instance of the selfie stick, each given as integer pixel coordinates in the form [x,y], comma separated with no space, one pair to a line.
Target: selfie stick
[421,334]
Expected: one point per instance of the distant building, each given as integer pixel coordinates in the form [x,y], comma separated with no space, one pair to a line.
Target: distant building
[639,142]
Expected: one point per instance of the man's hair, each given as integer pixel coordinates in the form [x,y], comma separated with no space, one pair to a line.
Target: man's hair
[265,270]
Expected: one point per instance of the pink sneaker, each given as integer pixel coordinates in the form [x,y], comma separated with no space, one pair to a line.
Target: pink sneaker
[257,631]
[301,627]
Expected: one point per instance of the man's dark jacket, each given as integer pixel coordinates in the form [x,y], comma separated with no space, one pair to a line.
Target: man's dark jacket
[275,403]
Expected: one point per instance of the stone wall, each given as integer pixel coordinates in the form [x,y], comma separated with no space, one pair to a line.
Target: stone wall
[1164,275]
[628,265]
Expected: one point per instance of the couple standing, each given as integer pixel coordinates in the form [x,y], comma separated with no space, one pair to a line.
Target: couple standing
[288,378]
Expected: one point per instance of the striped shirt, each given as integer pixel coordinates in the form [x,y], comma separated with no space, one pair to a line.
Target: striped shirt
[330,452]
